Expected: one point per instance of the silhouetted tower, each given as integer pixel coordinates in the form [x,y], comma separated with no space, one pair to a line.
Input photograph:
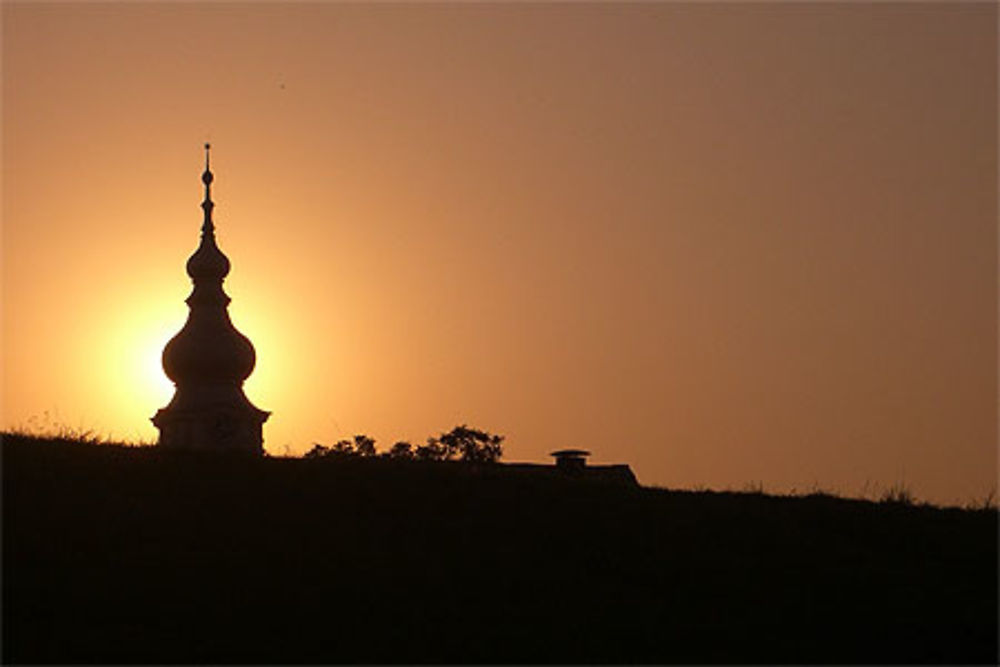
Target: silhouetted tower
[208,360]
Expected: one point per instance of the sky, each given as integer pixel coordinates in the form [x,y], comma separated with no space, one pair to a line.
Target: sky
[731,245]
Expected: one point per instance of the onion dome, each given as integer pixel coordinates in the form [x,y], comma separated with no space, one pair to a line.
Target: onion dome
[208,350]
[208,264]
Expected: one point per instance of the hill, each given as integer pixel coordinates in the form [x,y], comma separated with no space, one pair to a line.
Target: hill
[116,554]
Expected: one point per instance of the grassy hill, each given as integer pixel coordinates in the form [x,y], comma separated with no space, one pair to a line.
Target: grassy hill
[116,554]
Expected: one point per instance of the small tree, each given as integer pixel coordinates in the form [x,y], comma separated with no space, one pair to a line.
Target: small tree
[317,451]
[364,446]
[471,445]
[342,448]
[432,451]
[401,450]
[467,444]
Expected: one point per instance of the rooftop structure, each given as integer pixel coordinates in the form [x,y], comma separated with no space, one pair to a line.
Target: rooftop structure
[572,459]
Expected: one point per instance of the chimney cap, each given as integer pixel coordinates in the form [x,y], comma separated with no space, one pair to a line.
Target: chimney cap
[566,453]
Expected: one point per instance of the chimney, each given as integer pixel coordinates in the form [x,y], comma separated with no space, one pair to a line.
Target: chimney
[571,459]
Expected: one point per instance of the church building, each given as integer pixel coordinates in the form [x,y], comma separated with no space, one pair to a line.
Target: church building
[208,360]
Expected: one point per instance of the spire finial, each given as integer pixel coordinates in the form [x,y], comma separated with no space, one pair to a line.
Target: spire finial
[207,205]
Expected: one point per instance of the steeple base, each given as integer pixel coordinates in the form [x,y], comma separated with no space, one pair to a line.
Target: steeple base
[220,429]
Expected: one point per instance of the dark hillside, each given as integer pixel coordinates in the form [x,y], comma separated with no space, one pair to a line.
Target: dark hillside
[114,554]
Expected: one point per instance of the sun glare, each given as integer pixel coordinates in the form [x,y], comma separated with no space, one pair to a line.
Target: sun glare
[155,382]
[136,384]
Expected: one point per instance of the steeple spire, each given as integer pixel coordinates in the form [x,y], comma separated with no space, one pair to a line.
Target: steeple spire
[207,205]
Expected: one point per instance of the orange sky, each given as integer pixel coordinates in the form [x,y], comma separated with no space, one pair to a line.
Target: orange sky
[722,243]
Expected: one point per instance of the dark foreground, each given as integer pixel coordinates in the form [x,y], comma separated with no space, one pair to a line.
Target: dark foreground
[129,555]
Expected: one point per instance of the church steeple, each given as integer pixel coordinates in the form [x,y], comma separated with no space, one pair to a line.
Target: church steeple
[208,360]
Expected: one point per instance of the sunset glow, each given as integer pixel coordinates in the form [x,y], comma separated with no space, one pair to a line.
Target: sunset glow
[721,243]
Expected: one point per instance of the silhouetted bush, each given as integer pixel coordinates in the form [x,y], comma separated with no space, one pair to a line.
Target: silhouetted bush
[401,450]
[432,451]
[343,448]
[471,445]
[318,451]
[463,443]
[362,445]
